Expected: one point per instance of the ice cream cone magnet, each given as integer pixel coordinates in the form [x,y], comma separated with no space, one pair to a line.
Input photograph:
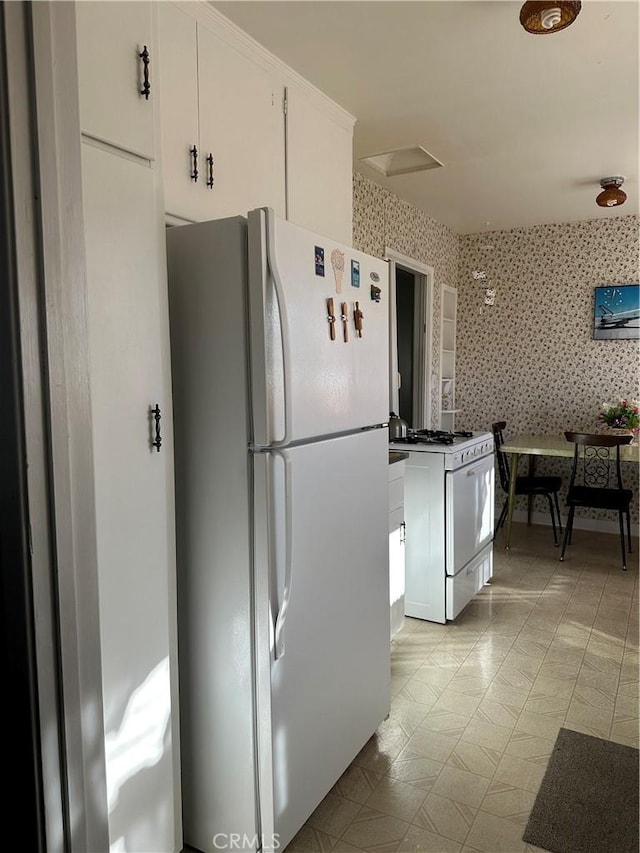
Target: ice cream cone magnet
[337,262]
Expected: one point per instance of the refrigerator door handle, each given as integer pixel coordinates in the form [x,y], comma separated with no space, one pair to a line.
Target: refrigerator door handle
[284,324]
[280,621]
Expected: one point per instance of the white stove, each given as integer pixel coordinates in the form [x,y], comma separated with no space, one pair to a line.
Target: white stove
[449,498]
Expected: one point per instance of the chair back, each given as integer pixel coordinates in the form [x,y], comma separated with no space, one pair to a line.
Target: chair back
[596,460]
[501,456]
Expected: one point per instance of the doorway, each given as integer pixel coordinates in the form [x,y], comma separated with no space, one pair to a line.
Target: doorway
[405,323]
[410,338]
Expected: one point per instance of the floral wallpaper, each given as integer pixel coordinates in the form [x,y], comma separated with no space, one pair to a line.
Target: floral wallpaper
[530,359]
[382,220]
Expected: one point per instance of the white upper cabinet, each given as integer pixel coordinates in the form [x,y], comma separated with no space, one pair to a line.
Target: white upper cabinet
[217,99]
[225,94]
[113,105]
[179,112]
[319,167]
[241,126]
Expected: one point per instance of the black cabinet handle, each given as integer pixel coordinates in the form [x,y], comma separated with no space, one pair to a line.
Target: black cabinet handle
[146,88]
[156,414]
[210,178]
[194,157]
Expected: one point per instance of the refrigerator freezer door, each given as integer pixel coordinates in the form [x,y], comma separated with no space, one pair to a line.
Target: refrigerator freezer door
[328,688]
[306,381]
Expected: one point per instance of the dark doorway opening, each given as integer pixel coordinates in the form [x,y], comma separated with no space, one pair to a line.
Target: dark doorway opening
[405,326]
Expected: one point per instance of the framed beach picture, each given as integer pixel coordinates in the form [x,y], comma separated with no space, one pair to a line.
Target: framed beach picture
[616,312]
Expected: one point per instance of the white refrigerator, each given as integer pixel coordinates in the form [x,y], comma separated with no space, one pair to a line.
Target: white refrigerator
[282,507]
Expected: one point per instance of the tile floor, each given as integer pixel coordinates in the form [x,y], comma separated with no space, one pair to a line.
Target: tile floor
[477,704]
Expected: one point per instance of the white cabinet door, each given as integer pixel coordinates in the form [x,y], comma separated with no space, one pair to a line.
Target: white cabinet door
[241,125]
[319,169]
[183,196]
[111,37]
[397,528]
[128,348]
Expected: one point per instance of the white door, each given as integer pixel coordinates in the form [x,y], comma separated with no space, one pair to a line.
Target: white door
[469,499]
[328,610]
[336,379]
[129,374]
[113,108]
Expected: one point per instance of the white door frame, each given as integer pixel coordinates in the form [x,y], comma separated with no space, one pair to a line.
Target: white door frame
[43,85]
[423,336]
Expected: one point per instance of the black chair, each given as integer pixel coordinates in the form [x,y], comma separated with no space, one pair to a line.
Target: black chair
[596,481]
[546,486]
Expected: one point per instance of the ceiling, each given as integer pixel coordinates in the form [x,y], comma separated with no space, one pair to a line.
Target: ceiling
[525,126]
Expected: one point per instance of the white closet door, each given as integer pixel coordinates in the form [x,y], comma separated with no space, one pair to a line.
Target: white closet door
[110,38]
[134,512]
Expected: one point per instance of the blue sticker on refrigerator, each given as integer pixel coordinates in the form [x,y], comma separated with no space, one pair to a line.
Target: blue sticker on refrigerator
[355,273]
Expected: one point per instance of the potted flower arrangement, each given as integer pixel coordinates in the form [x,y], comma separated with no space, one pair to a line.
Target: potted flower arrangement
[621,417]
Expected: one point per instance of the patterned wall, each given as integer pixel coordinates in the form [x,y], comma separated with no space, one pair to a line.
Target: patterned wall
[530,359]
[382,220]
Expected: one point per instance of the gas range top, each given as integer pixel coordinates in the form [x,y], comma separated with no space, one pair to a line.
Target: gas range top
[459,448]
[433,436]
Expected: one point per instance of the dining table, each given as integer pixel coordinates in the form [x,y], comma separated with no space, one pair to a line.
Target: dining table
[544,445]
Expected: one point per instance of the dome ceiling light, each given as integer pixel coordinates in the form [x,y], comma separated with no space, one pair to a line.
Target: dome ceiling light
[611,195]
[548,16]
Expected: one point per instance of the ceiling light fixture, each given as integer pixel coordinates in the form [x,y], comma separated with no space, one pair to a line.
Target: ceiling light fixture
[611,195]
[548,16]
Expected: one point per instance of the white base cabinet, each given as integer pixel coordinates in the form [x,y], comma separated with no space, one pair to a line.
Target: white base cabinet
[397,538]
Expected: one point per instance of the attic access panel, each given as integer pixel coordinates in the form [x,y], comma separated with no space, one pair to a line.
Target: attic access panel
[401,161]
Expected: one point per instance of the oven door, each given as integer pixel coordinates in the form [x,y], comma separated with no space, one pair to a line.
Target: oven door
[469,512]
